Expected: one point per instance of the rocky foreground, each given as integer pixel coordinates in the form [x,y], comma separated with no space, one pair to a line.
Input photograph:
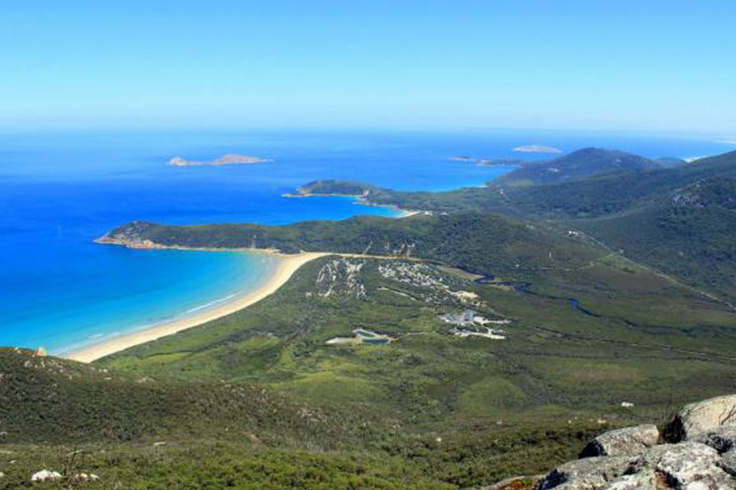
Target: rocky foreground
[695,451]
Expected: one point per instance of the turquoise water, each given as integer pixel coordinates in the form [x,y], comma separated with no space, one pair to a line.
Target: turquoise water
[60,191]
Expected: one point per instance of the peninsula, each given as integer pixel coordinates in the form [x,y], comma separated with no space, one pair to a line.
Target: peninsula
[229,159]
[332,188]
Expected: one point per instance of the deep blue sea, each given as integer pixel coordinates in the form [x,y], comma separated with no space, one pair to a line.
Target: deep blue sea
[59,191]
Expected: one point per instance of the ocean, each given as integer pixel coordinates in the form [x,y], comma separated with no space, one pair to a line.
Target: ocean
[59,191]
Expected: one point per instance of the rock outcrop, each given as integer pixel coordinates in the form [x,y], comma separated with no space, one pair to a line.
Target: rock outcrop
[630,441]
[700,455]
[701,417]
[586,473]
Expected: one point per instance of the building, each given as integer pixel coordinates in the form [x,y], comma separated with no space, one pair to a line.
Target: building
[362,336]
[466,318]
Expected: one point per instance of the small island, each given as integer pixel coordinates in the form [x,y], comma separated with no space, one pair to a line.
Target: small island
[489,162]
[537,149]
[333,188]
[501,162]
[229,159]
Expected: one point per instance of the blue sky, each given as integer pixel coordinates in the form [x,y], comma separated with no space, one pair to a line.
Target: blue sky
[597,64]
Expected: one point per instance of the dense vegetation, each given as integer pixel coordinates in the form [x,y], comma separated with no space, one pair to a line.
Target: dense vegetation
[478,242]
[577,165]
[688,233]
[51,400]
[642,213]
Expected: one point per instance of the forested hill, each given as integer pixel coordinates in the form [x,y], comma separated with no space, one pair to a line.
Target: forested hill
[577,165]
[679,220]
[47,399]
[611,194]
[475,241]
[690,232]
[593,196]
[332,187]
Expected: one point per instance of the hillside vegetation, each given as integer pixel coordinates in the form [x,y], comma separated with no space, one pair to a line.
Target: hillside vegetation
[644,213]
[477,242]
[46,399]
[578,165]
[690,233]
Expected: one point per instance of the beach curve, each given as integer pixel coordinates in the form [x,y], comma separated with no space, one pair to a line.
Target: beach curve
[284,270]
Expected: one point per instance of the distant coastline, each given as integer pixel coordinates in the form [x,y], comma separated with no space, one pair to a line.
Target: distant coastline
[229,159]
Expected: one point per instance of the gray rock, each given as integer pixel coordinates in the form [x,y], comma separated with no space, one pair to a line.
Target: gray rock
[687,466]
[630,441]
[729,462]
[701,457]
[722,439]
[700,417]
[586,474]
[639,481]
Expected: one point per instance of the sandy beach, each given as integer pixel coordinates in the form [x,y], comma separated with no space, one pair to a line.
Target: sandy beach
[287,266]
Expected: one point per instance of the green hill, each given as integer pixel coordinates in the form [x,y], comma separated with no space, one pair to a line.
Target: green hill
[334,188]
[610,194]
[478,242]
[690,232]
[577,165]
[585,197]
[635,211]
[46,399]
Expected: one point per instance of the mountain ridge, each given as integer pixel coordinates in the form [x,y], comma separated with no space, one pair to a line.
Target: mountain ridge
[577,165]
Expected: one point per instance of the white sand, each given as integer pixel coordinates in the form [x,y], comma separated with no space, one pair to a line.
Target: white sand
[287,266]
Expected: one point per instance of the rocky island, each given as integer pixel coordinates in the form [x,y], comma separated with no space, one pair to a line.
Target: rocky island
[229,159]
[537,149]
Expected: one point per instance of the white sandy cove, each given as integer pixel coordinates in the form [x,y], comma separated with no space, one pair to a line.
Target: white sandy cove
[286,267]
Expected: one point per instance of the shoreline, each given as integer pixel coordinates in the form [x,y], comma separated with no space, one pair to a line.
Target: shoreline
[288,264]
[360,200]
[284,270]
